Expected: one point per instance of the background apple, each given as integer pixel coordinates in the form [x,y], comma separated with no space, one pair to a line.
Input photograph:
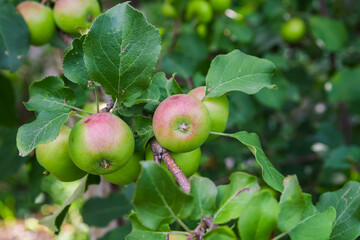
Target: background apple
[200,9]
[70,14]
[92,108]
[220,5]
[293,30]
[54,157]
[181,123]
[40,21]
[101,143]
[168,10]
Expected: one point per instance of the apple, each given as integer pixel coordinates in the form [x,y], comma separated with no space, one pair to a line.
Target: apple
[168,10]
[54,157]
[181,123]
[188,162]
[40,21]
[201,30]
[200,9]
[220,5]
[218,108]
[70,14]
[91,107]
[128,173]
[293,30]
[101,143]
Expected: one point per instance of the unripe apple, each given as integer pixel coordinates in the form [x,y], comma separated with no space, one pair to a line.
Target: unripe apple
[40,21]
[218,108]
[188,162]
[92,108]
[220,5]
[70,14]
[54,157]
[101,143]
[201,30]
[200,9]
[128,173]
[168,10]
[293,30]
[181,123]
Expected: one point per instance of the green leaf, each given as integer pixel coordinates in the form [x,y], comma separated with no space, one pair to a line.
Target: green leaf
[341,157]
[137,225]
[292,204]
[74,65]
[100,211]
[270,175]
[48,98]
[167,87]
[137,234]
[345,85]
[346,202]
[234,197]
[178,63]
[315,227]
[333,40]
[143,131]
[157,199]
[204,192]
[9,117]
[121,52]
[117,233]
[237,71]
[220,233]
[259,218]
[14,37]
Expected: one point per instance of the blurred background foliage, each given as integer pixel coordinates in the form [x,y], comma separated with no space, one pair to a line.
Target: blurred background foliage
[309,127]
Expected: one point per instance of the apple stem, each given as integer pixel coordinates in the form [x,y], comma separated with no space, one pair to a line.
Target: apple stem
[160,152]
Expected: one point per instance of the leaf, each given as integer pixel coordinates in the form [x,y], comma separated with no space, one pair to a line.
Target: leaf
[143,131]
[137,225]
[204,192]
[237,71]
[7,103]
[117,233]
[234,197]
[346,202]
[121,52]
[292,204]
[48,98]
[74,65]
[178,63]
[167,87]
[345,86]
[220,233]
[14,37]
[315,227]
[333,40]
[341,157]
[270,175]
[157,199]
[259,217]
[136,235]
[100,211]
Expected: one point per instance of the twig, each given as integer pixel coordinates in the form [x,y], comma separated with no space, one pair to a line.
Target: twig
[175,36]
[201,229]
[160,152]
[108,107]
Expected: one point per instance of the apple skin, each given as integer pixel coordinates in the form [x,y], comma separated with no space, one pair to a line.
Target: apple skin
[54,157]
[40,21]
[220,5]
[91,108]
[181,123]
[188,162]
[128,173]
[200,9]
[218,108]
[69,14]
[168,10]
[101,143]
[293,30]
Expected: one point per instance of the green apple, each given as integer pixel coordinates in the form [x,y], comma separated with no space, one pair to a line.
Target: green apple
[188,162]
[200,9]
[70,14]
[218,108]
[293,30]
[54,157]
[168,10]
[201,30]
[128,173]
[40,21]
[101,143]
[91,107]
[220,5]
[181,123]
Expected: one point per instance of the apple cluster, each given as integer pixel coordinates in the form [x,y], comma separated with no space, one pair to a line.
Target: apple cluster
[68,15]
[103,144]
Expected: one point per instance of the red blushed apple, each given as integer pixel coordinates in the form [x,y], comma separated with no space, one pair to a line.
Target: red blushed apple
[101,143]
[218,108]
[181,123]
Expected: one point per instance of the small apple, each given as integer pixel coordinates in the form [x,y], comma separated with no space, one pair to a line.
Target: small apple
[128,173]
[200,9]
[201,30]
[220,5]
[54,157]
[40,21]
[218,108]
[181,123]
[188,162]
[70,14]
[168,10]
[91,107]
[293,30]
[101,143]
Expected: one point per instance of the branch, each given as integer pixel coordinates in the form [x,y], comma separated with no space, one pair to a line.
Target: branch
[160,152]
[108,107]
[201,229]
